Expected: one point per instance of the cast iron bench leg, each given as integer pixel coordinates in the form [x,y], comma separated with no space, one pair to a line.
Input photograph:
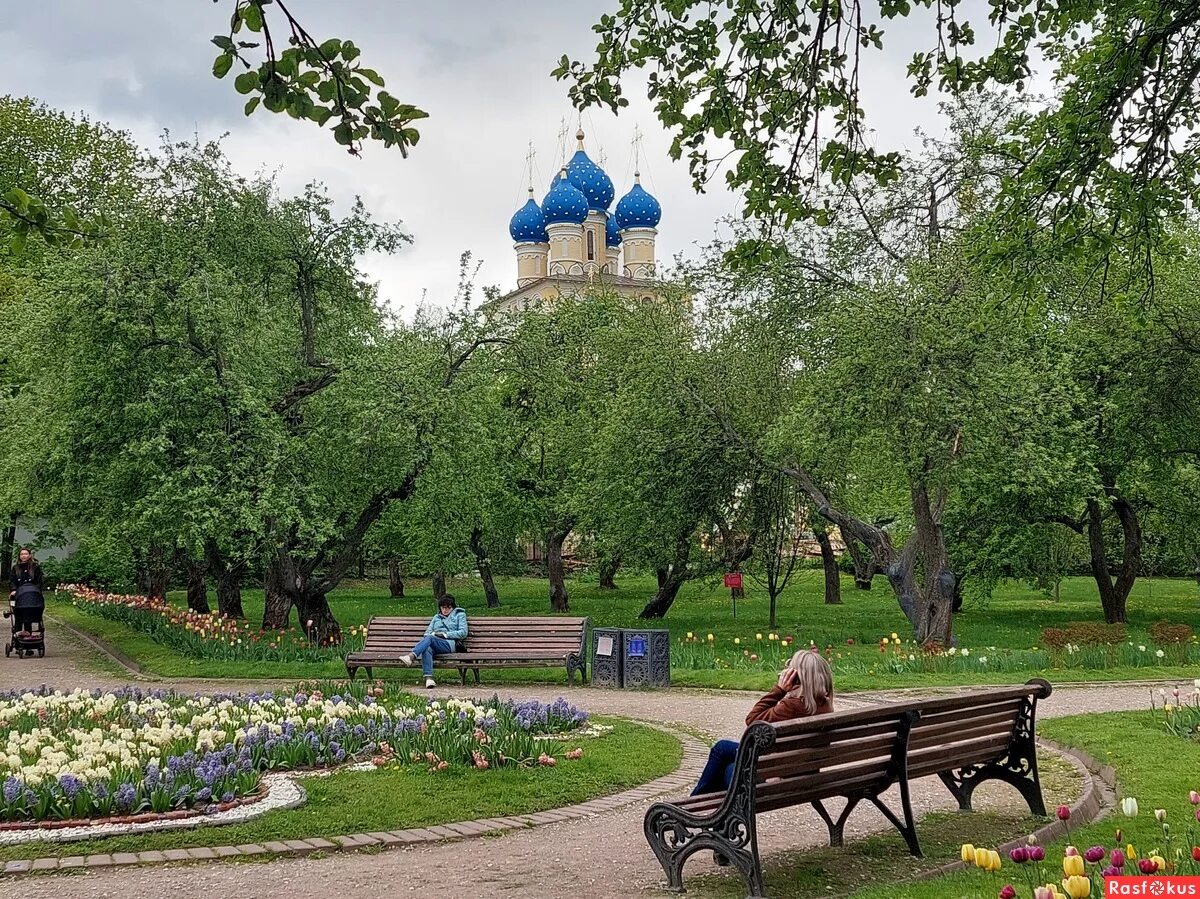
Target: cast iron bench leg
[1018,768]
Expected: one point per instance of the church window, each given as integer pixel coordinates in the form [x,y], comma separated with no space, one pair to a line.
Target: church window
[591,245]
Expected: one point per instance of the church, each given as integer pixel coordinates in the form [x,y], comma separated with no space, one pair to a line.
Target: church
[572,241]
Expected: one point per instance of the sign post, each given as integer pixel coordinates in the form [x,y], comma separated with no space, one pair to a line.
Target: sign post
[733,580]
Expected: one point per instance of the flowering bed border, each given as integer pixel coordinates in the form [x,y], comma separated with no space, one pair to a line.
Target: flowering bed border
[694,756]
[141,818]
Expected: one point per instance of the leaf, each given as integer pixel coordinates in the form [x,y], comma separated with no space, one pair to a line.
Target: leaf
[342,134]
[246,82]
[252,15]
[222,64]
[372,76]
[252,104]
[223,42]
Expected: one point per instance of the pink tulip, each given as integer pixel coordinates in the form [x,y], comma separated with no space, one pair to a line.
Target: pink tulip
[1019,856]
[1194,797]
[1117,859]
[1036,853]
[1094,854]
[1064,813]
[1007,891]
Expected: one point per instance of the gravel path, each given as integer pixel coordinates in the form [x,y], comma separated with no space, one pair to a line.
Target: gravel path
[598,857]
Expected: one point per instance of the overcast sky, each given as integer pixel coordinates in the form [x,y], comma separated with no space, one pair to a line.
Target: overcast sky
[481,70]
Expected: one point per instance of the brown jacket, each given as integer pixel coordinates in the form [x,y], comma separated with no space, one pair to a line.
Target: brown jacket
[778,706]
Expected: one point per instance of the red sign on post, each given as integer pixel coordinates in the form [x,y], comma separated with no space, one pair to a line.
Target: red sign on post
[733,580]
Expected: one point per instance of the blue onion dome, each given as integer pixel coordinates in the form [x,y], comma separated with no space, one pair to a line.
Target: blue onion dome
[564,203]
[638,209]
[612,234]
[528,223]
[590,179]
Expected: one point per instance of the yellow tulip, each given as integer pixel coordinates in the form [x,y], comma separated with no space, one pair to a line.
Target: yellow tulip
[689,635]
[758,636]
[994,861]
[968,853]
[737,641]
[1130,852]
[1077,886]
[1160,861]
[1073,865]
[710,638]
[982,859]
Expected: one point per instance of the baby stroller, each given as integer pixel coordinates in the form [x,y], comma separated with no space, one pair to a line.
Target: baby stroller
[26,607]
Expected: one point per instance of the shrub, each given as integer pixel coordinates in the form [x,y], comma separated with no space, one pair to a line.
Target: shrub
[1165,633]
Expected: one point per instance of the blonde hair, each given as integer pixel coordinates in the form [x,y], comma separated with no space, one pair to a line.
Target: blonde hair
[814,679]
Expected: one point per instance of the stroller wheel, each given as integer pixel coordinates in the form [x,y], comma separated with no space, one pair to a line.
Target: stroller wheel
[41,652]
[7,649]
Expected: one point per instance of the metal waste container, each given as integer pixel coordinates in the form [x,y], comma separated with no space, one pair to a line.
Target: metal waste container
[606,657]
[645,658]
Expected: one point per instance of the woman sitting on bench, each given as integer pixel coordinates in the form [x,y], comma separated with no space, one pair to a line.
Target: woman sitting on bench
[805,688]
[444,634]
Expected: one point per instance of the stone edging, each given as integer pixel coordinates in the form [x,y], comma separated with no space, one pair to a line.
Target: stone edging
[694,756]
[1096,801]
[105,648]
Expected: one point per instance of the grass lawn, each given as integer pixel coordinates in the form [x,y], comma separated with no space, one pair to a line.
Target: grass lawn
[1011,620]
[1152,766]
[395,799]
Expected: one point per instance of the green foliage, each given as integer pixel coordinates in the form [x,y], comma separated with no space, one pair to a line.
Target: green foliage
[321,81]
[777,85]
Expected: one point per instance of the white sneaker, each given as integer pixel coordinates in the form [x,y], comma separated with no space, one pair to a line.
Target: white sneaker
[430,683]
[406,660]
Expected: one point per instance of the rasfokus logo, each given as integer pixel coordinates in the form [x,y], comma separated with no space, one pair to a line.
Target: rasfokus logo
[1152,887]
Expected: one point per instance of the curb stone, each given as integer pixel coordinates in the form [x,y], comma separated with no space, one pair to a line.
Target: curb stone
[694,755]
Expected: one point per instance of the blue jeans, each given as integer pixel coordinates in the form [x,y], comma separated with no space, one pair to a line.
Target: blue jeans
[428,648]
[718,772]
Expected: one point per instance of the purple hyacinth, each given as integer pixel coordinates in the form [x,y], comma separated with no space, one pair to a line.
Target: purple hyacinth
[125,796]
[12,789]
[70,786]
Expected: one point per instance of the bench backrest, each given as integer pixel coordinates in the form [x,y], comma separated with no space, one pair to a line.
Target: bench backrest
[543,635]
[971,728]
[863,750]
[829,755]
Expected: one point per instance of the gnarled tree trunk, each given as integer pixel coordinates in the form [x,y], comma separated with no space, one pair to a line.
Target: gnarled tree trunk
[556,571]
[608,565]
[438,584]
[156,573]
[1114,592]
[228,576]
[277,605]
[197,586]
[484,566]
[864,564]
[395,580]
[292,584]
[829,562]
[670,580]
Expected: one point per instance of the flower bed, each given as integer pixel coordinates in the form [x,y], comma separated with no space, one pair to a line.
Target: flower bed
[81,755]
[208,636]
[891,654]
[1082,875]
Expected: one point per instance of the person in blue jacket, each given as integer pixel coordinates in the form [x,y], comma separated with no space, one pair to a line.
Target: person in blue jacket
[444,634]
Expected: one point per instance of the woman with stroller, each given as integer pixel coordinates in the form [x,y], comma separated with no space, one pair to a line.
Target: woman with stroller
[28,604]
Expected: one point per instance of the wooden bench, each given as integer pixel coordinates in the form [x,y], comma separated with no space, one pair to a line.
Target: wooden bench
[492,642]
[856,756]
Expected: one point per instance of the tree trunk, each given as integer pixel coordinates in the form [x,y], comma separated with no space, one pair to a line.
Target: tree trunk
[362,567]
[934,599]
[228,577]
[156,574]
[395,580]
[833,577]
[197,586]
[1114,593]
[316,618]
[484,566]
[671,579]
[559,600]
[608,571]
[864,564]
[438,583]
[10,543]
[774,597]
[277,604]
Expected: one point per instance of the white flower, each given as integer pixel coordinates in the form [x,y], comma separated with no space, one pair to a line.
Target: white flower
[1141,647]
[1160,653]
[983,660]
[1129,807]
[966,652]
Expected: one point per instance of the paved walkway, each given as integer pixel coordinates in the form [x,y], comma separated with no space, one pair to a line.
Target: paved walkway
[597,857]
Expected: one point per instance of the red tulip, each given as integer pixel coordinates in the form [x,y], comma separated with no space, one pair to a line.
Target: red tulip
[1064,813]
[1147,865]
[1196,853]
[1007,891]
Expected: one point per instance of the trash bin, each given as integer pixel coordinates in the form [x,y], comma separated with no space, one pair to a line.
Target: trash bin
[606,657]
[646,658]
